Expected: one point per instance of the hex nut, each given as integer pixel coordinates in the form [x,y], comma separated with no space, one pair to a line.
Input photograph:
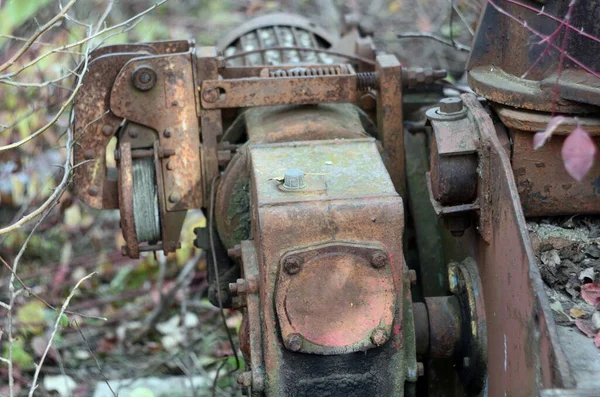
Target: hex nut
[144,78]
[378,337]
[292,264]
[294,342]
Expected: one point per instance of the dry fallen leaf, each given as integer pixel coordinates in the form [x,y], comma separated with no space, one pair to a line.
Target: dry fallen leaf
[591,293]
[578,153]
[576,313]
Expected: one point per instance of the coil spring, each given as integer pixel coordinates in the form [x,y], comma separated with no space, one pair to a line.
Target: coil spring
[305,72]
[366,81]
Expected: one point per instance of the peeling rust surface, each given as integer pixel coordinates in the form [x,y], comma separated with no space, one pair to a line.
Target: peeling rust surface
[168,108]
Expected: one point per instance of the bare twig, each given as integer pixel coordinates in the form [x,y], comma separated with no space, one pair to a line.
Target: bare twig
[38,366]
[37,34]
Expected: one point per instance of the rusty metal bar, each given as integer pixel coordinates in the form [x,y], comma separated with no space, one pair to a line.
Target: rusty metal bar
[222,94]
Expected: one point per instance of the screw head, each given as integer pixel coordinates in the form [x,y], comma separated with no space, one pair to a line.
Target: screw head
[379,260]
[451,105]
[294,342]
[292,264]
[378,337]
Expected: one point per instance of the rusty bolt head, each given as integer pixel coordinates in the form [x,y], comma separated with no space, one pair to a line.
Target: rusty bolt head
[174,197]
[144,78]
[292,264]
[412,274]
[378,337]
[88,154]
[294,342]
[451,105]
[93,191]
[420,369]
[167,133]
[245,378]
[107,130]
[210,95]
[379,260]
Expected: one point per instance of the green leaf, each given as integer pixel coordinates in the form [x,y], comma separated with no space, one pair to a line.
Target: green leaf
[21,358]
[31,317]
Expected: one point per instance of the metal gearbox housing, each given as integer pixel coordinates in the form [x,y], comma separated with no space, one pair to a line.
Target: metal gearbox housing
[332,279]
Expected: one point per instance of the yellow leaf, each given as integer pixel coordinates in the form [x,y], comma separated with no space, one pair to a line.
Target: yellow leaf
[576,313]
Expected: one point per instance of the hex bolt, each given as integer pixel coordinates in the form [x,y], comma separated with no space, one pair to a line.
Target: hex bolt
[294,180]
[420,369]
[451,105]
[107,130]
[378,337]
[294,342]
[174,197]
[412,275]
[245,378]
[379,260]
[144,78]
[292,264]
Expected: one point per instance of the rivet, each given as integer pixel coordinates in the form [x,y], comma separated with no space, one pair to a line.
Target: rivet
[167,133]
[93,191]
[174,197]
[107,130]
[88,154]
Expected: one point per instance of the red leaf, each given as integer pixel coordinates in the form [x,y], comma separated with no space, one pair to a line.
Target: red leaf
[541,137]
[591,293]
[578,153]
[586,327]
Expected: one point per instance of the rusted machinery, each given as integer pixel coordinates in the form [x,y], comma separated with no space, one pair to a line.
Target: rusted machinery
[321,219]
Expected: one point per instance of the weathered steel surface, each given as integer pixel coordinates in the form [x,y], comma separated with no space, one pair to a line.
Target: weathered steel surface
[523,350]
[545,188]
[169,108]
[359,203]
[389,117]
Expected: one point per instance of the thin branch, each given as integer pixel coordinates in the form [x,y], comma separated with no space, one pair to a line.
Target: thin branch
[37,34]
[38,367]
[439,39]
[462,17]
[84,40]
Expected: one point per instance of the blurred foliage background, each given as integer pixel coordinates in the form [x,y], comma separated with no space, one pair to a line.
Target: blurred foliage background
[135,318]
